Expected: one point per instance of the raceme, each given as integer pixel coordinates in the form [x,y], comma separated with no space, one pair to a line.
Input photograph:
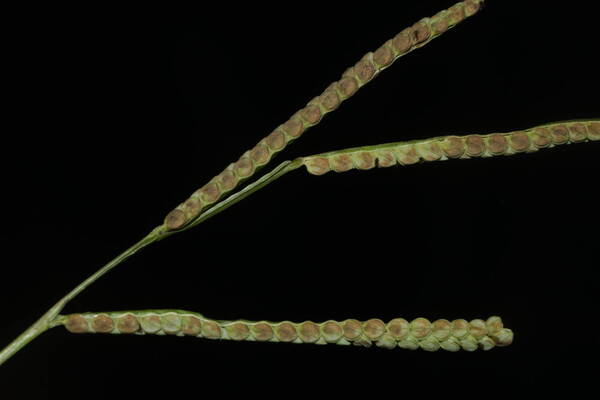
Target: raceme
[218,194]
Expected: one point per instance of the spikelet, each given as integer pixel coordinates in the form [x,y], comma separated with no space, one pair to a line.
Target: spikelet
[419,333]
[448,147]
[352,79]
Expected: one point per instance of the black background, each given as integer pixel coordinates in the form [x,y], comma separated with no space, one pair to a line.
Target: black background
[117,115]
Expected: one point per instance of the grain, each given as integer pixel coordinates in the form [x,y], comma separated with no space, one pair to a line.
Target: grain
[397,333]
[366,69]
[451,147]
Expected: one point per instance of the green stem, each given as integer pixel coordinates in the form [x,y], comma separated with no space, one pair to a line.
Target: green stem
[47,320]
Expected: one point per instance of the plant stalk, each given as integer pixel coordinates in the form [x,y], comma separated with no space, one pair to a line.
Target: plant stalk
[47,320]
